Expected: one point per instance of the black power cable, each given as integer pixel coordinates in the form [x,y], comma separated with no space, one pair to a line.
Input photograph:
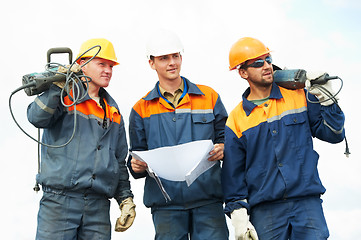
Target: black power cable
[72,81]
[330,96]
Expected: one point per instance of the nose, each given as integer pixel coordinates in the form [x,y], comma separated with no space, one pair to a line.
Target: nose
[171,61]
[108,69]
[267,65]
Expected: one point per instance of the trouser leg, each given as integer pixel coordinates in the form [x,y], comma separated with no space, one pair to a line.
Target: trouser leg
[309,221]
[290,219]
[271,221]
[171,224]
[96,220]
[209,222]
[59,217]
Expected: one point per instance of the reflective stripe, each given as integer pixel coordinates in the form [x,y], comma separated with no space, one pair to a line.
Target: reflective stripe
[89,116]
[197,111]
[285,113]
[43,106]
[332,129]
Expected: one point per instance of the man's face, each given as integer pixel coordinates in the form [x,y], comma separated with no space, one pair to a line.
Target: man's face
[100,70]
[167,66]
[258,76]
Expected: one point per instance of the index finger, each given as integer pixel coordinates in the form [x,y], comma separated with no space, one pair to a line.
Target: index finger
[139,162]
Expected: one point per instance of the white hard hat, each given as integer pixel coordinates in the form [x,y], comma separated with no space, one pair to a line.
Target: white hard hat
[163,42]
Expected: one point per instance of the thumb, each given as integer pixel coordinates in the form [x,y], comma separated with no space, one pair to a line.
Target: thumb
[248,236]
[123,219]
[253,234]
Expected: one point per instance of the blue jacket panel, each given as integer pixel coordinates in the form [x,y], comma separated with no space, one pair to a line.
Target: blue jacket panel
[154,123]
[269,152]
[94,161]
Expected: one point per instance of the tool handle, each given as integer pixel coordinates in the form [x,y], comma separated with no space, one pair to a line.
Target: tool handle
[60,50]
[323,79]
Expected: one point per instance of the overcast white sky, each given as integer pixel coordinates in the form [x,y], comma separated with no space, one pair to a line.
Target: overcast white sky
[309,34]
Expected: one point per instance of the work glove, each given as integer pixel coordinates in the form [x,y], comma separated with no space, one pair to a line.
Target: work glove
[244,229]
[127,207]
[324,92]
[75,68]
[60,84]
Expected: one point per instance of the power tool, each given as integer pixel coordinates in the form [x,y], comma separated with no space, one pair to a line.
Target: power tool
[296,78]
[39,82]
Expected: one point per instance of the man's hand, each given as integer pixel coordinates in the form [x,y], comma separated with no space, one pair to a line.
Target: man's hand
[127,216]
[244,229]
[138,166]
[324,92]
[64,69]
[217,152]
[74,68]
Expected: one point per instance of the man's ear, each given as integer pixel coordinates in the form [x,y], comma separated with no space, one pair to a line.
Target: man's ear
[151,63]
[243,73]
[81,62]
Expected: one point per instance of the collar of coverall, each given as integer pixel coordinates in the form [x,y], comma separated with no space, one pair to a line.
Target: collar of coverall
[192,89]
[248,106]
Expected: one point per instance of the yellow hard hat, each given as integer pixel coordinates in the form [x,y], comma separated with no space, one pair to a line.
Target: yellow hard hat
[106,52]
[245,49]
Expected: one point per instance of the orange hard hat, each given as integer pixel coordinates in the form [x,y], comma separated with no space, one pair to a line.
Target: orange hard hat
[245,49]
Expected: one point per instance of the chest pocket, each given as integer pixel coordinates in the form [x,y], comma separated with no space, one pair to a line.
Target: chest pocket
[203,126]
[297,128]
[202,118]
[293,119]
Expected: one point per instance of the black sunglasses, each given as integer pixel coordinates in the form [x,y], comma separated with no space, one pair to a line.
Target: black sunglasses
[259,63]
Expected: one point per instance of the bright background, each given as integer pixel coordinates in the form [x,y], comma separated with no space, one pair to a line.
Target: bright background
[309,34]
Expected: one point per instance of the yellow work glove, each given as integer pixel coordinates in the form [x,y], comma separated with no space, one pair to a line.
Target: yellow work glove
[127,207]
[60,84]
[243,228]
[74,68]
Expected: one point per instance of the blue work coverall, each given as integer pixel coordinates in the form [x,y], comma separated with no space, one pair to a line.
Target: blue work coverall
[79,179]
[270,161]
[154,123]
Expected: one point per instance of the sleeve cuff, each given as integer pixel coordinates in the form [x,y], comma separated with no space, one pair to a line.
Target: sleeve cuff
[231,206]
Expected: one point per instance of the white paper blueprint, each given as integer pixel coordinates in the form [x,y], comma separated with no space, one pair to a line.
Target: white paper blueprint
[184,162]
